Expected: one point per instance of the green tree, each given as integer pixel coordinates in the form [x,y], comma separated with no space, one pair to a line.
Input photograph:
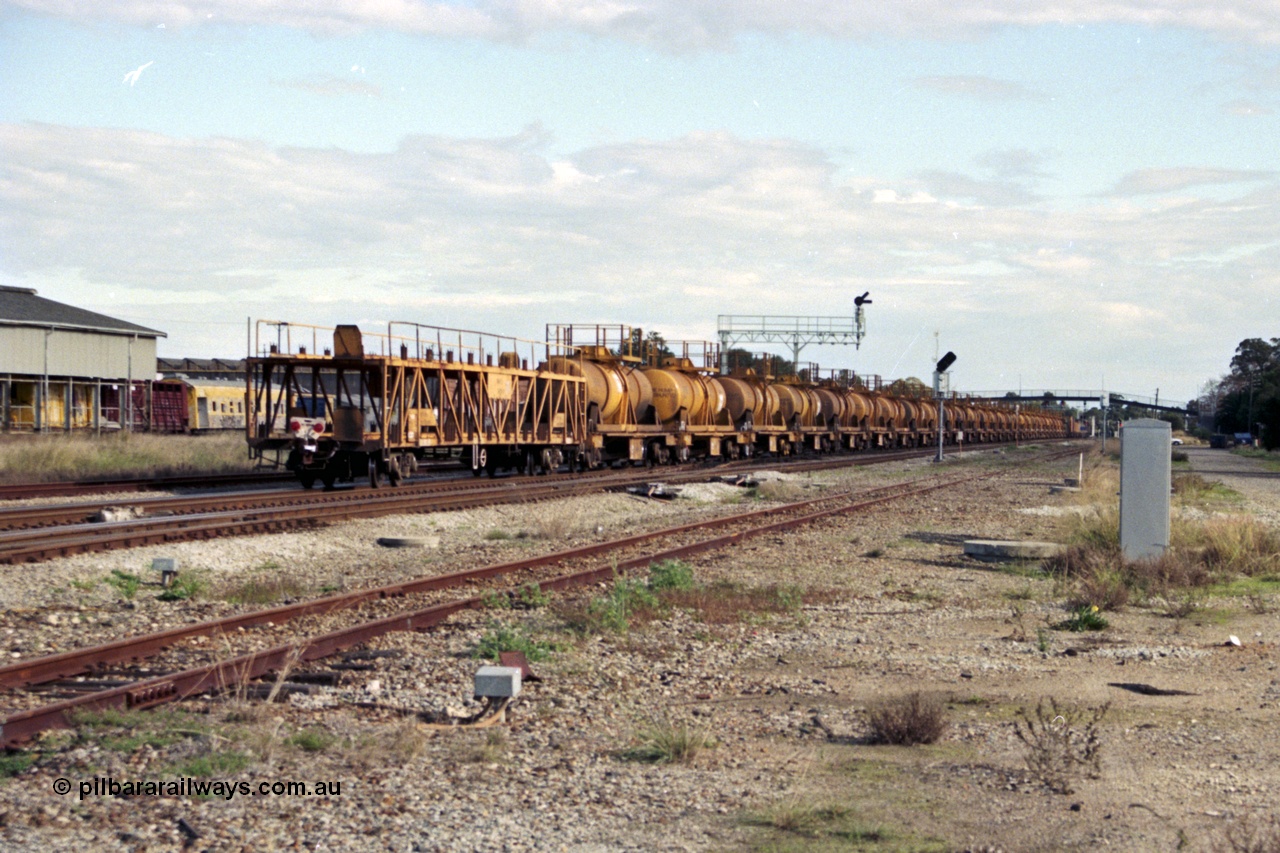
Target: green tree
[1250,393]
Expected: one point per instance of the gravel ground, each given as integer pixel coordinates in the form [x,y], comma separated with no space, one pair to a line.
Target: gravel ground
[782,699]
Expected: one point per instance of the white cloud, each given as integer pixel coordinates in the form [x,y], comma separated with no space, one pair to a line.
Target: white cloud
[982,88]
[681,24]
[1146,181]
[1248,109]
[330,86]
[490,233]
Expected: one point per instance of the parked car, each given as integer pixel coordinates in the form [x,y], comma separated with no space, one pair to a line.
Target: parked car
[1177,441]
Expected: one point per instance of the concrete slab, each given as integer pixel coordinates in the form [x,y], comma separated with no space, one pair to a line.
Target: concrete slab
[993,549]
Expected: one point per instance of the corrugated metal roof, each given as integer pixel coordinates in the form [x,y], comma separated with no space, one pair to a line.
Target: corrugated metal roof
[21,306]
[199,365]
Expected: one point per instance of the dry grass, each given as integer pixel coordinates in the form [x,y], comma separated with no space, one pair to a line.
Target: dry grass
[1251,835]
[45,458]
[1062,742]
[1240,545]
[263,591]
[1201,553]
[783,491]
[725,603]
[908,720]
[666,741]
[555,523]
[483,746]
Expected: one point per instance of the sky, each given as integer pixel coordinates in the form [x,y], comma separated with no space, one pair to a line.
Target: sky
[1069,196]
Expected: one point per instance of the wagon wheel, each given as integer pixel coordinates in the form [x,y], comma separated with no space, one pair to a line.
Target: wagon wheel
[479,459]
[393,471]
[375,480]
[307,479]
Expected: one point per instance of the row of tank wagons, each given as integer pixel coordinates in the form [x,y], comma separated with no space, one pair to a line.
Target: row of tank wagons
[631,407]
[777,414]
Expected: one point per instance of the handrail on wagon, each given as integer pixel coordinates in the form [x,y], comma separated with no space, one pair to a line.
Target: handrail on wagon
[418,341]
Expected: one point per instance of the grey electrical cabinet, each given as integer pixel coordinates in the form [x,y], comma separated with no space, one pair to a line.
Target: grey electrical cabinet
[1145,480]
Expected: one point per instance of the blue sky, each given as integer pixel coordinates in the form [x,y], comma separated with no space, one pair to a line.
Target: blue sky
[1057,201]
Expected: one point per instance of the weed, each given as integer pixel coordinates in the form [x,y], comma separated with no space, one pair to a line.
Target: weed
[263,591]
[500,638]
[1246,835]
[1043,638]
[496,599]
[182,588]
[1194,490]
[626,602]
[1102,589]
[1024,594]
[556,525]
[313,740]
[124,730]
[495,746]
[1258,603]
[1173,570]
[808,820]
[42,458]
[11,764]
[215,763]
[1085,618]
[671,584]
[125,583]
[666,741]
[1180,606]
[489,746]
[780,490]
[498,535]
[404,741]
[1242,546]
[84,585]
[1062,742]
[908,720]
[532,596]
[670,574]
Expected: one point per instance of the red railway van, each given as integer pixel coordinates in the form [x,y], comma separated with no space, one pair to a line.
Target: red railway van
[157,406]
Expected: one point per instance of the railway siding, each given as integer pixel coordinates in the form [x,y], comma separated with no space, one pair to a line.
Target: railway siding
[784,697]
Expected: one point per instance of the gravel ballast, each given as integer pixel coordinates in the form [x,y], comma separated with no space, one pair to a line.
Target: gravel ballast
[883,603]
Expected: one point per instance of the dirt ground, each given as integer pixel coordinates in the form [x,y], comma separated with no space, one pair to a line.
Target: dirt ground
[1188,753]
[1188,746]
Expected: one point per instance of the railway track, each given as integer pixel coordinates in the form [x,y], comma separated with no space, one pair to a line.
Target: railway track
[75,488]
[373,612]
[26,491]
[33,534]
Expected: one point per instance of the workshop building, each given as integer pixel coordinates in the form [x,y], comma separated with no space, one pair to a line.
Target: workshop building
[65,368]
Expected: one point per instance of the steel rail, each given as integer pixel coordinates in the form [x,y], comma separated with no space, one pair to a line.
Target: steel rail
[24,491]
[279,510]
[23,725]
[82,661]
[40,543]
[27,517]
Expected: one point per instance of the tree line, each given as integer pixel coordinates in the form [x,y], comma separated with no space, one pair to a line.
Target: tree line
[1248,398]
